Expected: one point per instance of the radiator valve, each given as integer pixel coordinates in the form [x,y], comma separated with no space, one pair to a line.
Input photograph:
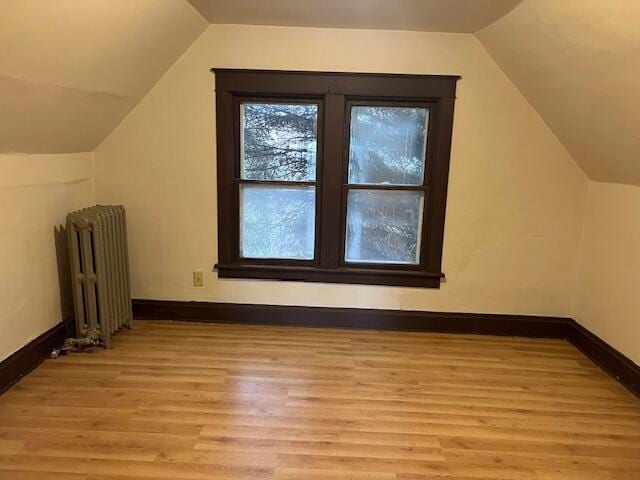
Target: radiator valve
[75,344]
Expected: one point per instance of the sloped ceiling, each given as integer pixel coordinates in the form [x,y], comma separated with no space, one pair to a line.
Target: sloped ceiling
[70,70]
[578,64]
[420,15]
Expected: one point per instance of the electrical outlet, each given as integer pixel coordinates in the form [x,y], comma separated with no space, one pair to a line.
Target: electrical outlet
[198,278]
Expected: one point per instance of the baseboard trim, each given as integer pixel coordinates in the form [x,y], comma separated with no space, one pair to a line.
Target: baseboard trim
[615,363]
[299,316]
[20,363]
[604,355]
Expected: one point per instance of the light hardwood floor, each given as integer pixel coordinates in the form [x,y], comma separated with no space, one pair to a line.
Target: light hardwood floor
[198,401]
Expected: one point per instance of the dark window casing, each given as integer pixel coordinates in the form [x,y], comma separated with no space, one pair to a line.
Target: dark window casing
[334,93]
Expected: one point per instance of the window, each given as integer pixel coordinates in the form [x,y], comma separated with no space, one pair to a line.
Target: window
[332,177]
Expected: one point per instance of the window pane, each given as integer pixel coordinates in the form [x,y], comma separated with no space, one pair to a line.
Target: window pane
[384,226]
[388,145]
[277,222]
[279,141]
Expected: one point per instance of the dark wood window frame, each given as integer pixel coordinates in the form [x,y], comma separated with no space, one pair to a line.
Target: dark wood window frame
[334,93]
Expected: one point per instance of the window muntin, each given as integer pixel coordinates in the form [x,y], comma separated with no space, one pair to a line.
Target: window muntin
[277,185]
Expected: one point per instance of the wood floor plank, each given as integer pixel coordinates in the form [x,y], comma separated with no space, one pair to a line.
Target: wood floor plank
[210,401]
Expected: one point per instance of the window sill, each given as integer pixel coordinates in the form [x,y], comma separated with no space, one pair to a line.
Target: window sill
[350,275]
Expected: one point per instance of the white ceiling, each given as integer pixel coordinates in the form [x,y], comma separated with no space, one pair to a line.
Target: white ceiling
[578,64]
[70,70]
[420,15]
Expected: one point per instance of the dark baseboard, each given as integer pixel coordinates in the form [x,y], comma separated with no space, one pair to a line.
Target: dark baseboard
[489,324]
[608,358]
[604,355]
[17,365]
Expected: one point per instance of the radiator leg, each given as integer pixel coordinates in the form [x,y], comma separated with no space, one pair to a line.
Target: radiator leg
[75,344]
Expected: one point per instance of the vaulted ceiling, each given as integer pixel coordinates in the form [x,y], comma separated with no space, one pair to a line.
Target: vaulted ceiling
[458,16]
[70,70]
[578,64]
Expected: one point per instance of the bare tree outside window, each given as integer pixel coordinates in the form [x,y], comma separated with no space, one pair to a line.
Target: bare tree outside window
[279,145]
[383,226]
[387,147]
[279,141]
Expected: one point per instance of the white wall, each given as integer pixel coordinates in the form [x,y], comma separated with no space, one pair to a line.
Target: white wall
[516,197]
[608,296]
[36,192]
